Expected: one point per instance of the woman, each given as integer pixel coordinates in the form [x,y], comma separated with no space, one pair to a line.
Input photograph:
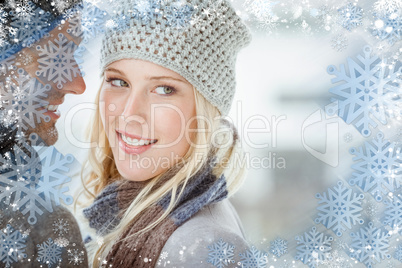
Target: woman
[166,159]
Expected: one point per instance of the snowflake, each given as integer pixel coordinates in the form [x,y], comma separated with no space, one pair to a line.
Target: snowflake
[388,20]
[393,212]
[348,137]
[90,24]
[220,254]
[369,245]
[336,261]
[60,227]
[12,246]
[57,62]
[163,259]
[24,99]
[30,28]
[377,167]
[49,253]
[398,253]
[350,16]
[260,8]
[313,247]
[339,42]
[268,24]
[365,91]
[371,209]
[324,15]
[279,247]
[339,208]
[24,10]
[178,15]
[24,59]
[118,22]
[253,258]
[147,10]
[35,197]
[61,242]
[75,256]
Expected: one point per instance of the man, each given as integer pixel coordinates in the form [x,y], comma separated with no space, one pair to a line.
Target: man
[37,70]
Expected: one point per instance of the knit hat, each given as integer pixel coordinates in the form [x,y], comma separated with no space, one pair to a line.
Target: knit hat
[198,39]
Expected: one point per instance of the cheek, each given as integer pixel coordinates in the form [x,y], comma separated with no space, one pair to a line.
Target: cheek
[171,125]
[168,124]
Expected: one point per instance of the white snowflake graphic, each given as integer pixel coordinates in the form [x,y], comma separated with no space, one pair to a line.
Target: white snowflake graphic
[24,100]
[313,248]
[90,24]
[12,246]
[279,247]
[336,261]
[57,63]
[49,253]
[147,10]
[350,16]
[178,15]
[31,24]
[371,209]
[339,208]
[339,42]
[261,9]
[377,167]
[365,91]
[221,254]
[393,212]
[36,196]
[75,256]
[60,227]
[388,20]
[253,258]
[163,261]
[61,242]
[370,245]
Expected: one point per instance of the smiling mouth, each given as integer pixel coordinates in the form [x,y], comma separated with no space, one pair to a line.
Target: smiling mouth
[51,108]
[136,142]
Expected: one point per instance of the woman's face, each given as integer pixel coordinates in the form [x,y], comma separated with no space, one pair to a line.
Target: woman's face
[144,103]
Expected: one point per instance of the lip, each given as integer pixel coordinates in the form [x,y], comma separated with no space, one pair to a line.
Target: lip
[130,149]
[53,115]
[132,136]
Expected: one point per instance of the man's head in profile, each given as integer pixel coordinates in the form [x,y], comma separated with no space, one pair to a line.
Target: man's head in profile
[37,66]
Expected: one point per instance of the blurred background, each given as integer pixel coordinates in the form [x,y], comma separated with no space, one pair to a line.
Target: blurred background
[282,85]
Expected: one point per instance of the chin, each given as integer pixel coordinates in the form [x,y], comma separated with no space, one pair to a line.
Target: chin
[49,137]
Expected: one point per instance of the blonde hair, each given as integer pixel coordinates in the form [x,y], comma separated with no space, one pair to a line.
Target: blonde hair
[103,171]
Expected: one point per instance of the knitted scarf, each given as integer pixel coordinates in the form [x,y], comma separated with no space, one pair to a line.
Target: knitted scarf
[143,250]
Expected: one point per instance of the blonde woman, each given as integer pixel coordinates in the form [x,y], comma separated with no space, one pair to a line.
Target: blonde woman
[167,159]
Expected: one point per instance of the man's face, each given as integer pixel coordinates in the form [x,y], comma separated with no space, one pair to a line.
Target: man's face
[58,69]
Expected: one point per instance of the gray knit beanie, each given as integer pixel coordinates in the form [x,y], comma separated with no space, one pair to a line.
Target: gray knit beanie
[198,39]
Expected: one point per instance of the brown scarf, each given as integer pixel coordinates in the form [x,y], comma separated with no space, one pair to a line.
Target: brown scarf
[143,250]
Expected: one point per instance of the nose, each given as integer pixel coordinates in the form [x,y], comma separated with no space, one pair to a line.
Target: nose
[76,86]
[136,105]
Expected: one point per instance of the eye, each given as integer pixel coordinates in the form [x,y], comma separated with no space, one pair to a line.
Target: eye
[165,90]
[117,82]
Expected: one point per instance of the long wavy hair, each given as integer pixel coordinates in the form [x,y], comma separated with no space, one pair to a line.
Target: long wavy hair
[218,139]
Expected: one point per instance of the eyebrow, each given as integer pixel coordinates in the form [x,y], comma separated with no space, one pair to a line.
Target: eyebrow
[148,77]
